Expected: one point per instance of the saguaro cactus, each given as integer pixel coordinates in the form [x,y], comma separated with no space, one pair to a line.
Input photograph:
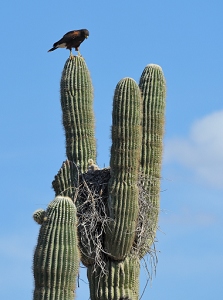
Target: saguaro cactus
[117,207]
[56,258]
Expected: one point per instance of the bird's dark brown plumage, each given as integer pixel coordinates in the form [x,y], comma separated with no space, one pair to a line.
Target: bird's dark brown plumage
[71,39]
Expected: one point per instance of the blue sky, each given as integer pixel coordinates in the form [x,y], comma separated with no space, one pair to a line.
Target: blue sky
[185,39]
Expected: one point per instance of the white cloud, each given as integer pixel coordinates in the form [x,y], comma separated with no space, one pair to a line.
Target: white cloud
[202,150]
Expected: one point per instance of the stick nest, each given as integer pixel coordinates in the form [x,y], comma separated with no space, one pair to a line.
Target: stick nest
[92,207]
[93,215]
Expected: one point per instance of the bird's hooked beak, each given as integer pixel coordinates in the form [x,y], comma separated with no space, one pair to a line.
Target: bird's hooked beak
[86,36]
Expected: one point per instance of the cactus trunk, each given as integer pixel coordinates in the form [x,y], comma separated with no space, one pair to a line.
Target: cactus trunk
[121,280]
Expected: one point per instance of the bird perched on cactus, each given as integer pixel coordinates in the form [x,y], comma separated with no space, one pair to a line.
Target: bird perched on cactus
[71,39]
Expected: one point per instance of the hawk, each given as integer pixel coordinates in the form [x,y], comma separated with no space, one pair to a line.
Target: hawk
[71,39]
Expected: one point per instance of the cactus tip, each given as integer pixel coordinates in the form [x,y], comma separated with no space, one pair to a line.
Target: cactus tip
[154,66]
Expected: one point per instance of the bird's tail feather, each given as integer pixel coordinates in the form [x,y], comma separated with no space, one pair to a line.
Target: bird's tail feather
[52,49]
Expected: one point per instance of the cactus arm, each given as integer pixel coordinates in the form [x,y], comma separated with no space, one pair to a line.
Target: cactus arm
[153,87]
[77,106]
[125,161]
[66,181]
[56,257]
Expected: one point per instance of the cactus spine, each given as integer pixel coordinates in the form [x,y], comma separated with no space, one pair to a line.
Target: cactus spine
[56,258]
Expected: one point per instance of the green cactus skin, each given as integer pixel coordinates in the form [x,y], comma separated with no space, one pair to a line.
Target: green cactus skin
[125,163]
[39,216]
[78,118]
[56,258]
[66,181]
[153,87]
[120,282]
